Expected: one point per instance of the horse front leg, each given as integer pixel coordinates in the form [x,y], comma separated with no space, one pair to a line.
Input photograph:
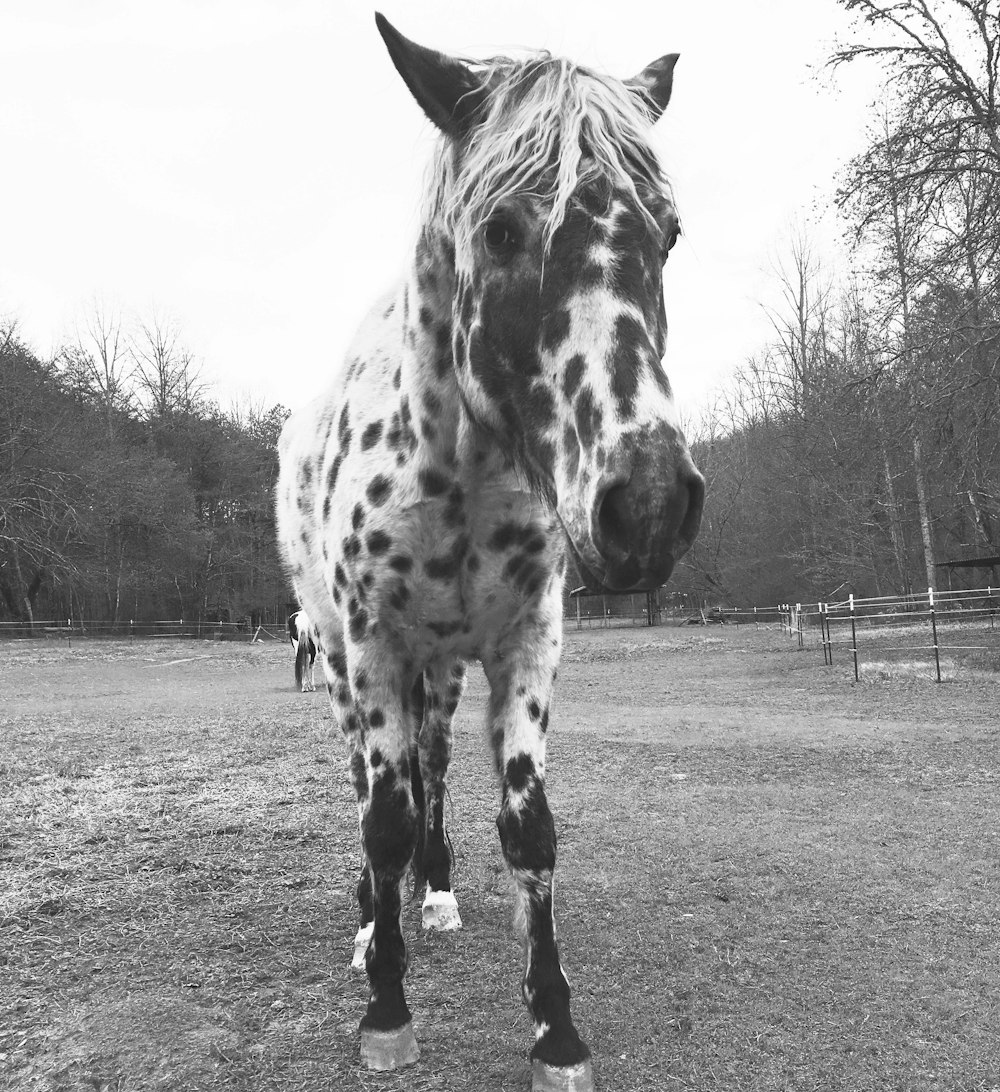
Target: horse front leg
[346,716]
[389,828]
[518,718]
[442,690]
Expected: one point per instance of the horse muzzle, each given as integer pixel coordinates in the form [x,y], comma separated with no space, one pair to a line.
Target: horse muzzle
[646,514]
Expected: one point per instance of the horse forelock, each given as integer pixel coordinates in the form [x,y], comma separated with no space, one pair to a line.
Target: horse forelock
[547,127]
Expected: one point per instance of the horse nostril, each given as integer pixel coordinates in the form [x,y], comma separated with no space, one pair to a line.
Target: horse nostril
[614,519]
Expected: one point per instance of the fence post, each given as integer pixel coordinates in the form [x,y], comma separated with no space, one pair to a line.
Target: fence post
[798,625]
[829,636]
[937,656]
[989,604]
[756,624]
[579,624]
[854,638]
[69,632]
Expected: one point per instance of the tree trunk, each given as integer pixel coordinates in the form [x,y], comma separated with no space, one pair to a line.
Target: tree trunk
[923,509]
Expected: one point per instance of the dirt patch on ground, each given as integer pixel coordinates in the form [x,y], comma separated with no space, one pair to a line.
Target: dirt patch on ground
[151,1041]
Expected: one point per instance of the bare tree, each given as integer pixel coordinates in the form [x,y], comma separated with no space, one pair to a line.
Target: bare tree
[100,363]
[168,379]
[946,53]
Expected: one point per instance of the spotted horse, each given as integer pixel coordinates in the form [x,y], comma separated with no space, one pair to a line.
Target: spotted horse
[304,645]
[503,409]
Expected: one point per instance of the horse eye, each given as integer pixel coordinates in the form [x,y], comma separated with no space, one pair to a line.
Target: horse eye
[497,235]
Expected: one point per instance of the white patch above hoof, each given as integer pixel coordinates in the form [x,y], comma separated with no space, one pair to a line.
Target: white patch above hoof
[384,1050]
[361,942]
[440,911]
[559,1078]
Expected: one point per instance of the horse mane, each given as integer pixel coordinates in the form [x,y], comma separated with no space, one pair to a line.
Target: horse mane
[546,126]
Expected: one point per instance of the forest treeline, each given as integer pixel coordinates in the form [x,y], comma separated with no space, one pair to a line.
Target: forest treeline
[861,449]
[124,491]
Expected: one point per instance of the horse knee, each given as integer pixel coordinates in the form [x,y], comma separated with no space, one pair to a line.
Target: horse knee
[390,824]
[527,831]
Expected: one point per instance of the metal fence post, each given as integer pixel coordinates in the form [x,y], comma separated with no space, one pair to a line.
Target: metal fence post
[854,638]
[937,657]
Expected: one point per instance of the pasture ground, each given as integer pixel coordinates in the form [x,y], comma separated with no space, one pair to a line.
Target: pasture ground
[769,878]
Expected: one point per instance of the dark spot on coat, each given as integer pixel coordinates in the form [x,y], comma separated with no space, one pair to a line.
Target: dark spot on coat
[371,435]
[555,327]
[358,624]
[378,542]
[575,368]
[433,482]
[626,363]
[520,773]
[331,474]
[445,629]
[588,418]
[379,489]
[445,566]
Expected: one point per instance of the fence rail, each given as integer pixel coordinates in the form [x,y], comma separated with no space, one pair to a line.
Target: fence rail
[953,624]
[69,629]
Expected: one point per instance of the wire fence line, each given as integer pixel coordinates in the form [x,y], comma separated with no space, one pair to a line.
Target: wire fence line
[937,628]
[957,626]
[70,629]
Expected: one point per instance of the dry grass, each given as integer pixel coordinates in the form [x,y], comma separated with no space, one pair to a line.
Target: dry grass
[768,879]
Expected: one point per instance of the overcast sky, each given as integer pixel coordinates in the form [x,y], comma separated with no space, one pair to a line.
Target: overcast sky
[251,169]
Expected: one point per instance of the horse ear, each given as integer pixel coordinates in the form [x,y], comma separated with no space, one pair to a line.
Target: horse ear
[654,84]
[447,90]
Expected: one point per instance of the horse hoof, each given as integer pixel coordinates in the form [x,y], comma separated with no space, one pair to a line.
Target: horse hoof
[361,942]
[562,1078]
[383,1050]
[440,911]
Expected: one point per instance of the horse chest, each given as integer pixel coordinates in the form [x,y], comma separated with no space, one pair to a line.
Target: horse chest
[450,587]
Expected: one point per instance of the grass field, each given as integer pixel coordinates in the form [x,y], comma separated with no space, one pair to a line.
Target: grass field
[769,878]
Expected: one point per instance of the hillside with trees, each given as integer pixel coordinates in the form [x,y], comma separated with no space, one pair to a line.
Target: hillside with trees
[862,447]
[126,493]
